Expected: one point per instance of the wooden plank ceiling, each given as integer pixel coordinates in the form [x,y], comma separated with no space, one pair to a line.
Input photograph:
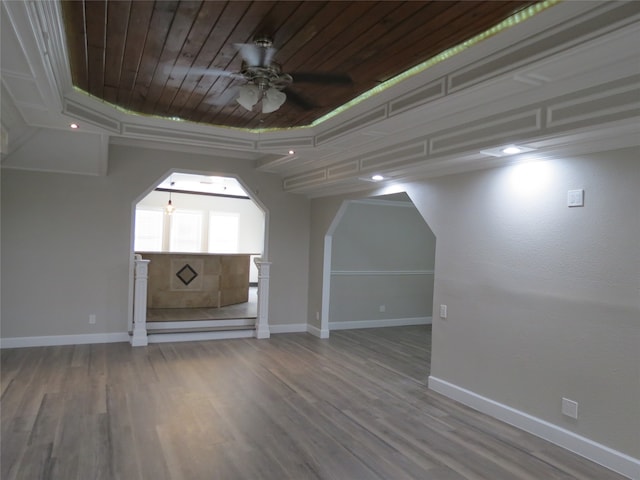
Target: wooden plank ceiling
[137,54]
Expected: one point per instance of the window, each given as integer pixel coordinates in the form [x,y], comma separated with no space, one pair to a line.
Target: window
[223,232]
[148,230]
[186,232]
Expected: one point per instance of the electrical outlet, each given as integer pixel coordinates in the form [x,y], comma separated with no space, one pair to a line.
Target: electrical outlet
[443,311]
[92,319]
[569,408]
[317,316]
[383,308]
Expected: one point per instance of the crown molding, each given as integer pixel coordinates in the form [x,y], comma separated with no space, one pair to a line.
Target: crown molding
[570,68]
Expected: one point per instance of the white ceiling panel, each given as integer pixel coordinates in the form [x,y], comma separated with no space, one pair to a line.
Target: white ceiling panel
[62,151]
[11,51]
[23,90]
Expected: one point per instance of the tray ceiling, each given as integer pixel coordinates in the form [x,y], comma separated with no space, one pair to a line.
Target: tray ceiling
[134,54]
[557,78]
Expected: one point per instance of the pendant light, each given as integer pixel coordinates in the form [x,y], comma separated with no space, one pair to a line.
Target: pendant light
[170,208]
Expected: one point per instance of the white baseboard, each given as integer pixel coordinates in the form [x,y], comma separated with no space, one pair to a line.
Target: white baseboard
[316,332]
[52,340]
[47,341]
[199,336]
[386,322]
[237,322]
[288,328]
[596,452]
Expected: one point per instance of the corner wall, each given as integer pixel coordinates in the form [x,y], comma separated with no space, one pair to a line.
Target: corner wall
[543,300]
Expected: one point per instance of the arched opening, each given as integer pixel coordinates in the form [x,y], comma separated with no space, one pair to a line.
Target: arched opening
[202,233]
[379,267]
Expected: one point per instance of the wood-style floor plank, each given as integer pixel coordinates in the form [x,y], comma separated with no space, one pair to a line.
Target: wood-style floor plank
[354,406]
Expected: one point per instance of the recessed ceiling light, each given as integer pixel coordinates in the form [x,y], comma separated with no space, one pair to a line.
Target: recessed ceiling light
[74,126]
[506,150]
[291,152]
[511,150]
[377,178]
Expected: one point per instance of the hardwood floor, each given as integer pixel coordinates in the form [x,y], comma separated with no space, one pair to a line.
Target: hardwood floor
[291,407]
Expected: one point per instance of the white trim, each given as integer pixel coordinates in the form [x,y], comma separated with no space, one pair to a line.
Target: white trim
[139,341]
[316,332]
[199,336]
[288,328]
[141,280]
[325,300]
[596,452]
[380,272]
[385,203]
[52,340]
[385,322]
[49,170]
[262,312]
[238,322]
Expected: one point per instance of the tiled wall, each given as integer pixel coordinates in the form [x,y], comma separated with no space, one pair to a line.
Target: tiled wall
[192,280]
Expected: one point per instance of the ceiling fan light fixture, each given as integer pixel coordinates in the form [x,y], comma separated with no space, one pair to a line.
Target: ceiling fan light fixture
[249,96]
[272,100]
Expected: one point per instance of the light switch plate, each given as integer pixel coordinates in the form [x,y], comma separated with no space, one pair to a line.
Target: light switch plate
[575,198]
[443,311]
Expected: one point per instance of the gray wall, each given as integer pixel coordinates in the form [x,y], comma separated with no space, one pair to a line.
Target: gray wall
[380,251]
[543,300]
[66,242]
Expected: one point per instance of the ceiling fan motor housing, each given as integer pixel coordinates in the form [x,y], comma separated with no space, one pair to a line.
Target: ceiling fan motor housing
[263,41]
[269,76]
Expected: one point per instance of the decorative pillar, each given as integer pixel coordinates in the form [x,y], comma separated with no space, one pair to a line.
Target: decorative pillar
[262,322]
[141,276]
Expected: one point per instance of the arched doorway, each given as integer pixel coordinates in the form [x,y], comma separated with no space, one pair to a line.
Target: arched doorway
[379,266]
[212,225]
[379,259]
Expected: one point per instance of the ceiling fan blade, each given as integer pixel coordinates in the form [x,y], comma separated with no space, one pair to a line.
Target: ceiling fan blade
[324,78]
[177,70]
[223,99]
[298,100]
[256,55]
[268,55]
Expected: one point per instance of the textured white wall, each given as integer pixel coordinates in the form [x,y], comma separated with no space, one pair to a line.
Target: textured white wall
[66,242]
[543,300]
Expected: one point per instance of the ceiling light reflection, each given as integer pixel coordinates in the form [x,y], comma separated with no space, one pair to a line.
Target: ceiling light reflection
[530,177]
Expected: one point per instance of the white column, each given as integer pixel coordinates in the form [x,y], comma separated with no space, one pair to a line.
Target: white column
[141,276]
[262,322]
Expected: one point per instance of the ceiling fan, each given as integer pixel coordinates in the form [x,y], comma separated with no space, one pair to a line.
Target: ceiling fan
[265,80]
